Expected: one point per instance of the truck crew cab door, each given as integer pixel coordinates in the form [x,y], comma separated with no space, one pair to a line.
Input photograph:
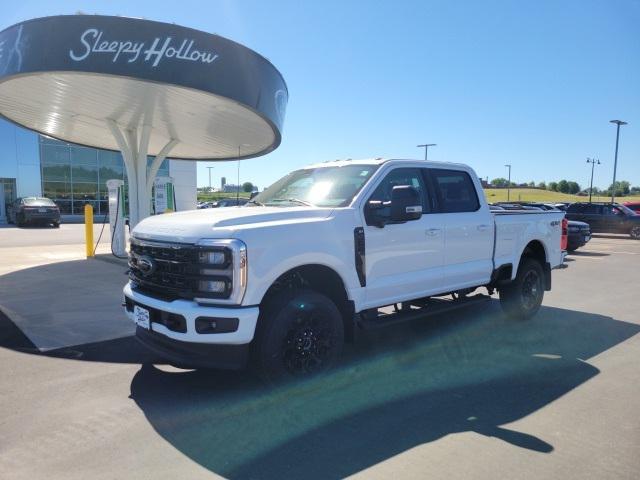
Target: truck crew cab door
[403,260]
[468,229]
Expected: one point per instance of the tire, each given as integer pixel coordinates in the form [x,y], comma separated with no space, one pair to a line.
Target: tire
[56,224]
[635,232]
[300,334]
[20,223]
[521,299]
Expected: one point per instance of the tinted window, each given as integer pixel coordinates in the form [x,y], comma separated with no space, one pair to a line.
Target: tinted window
[397,177]
[456,191]
[575,208]
[585,208]
[591,209]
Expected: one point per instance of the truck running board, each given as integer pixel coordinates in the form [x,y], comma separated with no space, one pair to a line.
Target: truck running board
[408,311]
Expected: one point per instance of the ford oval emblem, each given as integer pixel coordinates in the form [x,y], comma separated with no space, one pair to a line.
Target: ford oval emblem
[146,265]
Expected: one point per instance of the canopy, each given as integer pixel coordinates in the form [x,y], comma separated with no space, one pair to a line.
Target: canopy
[141,87]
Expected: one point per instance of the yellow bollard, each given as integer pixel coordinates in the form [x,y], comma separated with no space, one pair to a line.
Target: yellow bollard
[88,229]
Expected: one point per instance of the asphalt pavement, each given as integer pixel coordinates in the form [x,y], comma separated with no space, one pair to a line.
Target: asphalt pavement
[462,395]
[37,235]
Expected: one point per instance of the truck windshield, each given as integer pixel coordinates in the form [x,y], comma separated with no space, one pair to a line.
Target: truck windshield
[320,187]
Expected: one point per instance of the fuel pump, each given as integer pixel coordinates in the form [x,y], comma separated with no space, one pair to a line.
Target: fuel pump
[163,195]
[117,217]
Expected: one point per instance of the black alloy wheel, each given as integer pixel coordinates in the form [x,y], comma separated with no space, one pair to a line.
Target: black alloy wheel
[521,298]
[299,334]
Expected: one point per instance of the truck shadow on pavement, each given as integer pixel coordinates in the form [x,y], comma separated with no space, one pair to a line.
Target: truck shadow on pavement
[397,389]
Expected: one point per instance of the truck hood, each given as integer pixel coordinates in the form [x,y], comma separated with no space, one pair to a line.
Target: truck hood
[192,225]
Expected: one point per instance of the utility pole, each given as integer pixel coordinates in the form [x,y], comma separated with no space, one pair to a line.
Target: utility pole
[426,148]
[509,183]
[615,161]
[210,177]
[593,163]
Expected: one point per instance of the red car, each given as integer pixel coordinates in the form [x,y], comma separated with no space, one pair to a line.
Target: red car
[635,206]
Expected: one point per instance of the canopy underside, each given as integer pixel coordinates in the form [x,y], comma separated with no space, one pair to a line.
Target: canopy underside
[76,107]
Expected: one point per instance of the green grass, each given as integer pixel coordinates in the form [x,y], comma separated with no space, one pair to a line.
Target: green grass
[545,196]
[208,197]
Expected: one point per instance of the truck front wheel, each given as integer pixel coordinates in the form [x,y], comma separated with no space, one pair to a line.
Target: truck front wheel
[521,299]
[300,333]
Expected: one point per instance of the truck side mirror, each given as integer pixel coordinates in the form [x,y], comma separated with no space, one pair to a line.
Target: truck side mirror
[405,204]
[253,195]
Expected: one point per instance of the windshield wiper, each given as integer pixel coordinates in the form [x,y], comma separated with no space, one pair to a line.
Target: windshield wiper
[293,200]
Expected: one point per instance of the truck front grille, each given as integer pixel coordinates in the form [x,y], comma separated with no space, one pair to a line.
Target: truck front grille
[166,270]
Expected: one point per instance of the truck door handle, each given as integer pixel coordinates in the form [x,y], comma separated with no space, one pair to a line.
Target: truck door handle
[483,228]
[433,231]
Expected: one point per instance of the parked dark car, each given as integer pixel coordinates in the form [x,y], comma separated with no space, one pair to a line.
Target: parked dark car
[635,206]
[230,202]
[31,210]
[579,233]
[202,205]
[606,218]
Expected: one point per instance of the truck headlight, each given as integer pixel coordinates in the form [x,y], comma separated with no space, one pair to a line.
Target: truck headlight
[222,271]
[217,258]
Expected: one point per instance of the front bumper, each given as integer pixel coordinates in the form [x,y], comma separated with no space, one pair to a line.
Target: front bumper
[194,355]
[190,310]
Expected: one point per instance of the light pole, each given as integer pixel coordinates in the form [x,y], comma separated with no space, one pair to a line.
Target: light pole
[509,183]
[209,168]
[426,148]
[615,161]
[593,163]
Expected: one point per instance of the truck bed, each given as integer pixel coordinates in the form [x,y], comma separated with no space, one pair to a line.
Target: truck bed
[515,228]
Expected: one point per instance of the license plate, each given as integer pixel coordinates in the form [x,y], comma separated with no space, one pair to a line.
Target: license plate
[42,210]
[141,316]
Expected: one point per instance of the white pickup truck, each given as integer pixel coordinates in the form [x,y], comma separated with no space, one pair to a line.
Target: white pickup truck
[284,281]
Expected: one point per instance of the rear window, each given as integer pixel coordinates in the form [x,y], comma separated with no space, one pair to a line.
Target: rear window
[456,191]
[38,202]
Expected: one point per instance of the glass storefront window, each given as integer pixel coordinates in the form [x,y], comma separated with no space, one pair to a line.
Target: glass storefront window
[85,173]
[9,185]
[56,173]
[84,155]
[73,175]
[57,190]
[55,154]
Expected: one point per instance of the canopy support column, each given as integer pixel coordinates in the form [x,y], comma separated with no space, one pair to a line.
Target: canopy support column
[144,201]
[134,146]
[155,166]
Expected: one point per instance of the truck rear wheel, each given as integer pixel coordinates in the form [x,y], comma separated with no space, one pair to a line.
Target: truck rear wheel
[300,334]
[521,299]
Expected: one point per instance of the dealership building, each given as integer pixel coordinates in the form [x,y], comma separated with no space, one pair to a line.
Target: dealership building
[72,175]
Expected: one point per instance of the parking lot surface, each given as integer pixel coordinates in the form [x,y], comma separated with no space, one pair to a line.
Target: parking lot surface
[463,395]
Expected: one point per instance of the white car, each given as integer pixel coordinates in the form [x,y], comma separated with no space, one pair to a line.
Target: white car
[293,274]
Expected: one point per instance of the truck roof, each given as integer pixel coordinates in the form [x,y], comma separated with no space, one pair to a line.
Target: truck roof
[380,161]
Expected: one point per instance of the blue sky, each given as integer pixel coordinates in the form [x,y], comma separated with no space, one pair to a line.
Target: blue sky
[532,84]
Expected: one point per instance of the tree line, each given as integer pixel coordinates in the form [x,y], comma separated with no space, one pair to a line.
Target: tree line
[622,187]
